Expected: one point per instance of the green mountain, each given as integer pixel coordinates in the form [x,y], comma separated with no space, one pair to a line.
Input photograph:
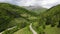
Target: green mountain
[12,15]
[53,19]
[52,15]
[37,9]
[49,21]
[15,19]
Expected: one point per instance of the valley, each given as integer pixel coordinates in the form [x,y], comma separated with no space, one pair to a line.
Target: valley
[29,20]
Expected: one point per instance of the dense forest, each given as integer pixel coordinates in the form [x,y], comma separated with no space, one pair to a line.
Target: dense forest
[50,17]
[14,18]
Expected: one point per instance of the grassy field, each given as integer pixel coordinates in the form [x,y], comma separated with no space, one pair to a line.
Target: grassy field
[52,30]
[48,30]
[25,30]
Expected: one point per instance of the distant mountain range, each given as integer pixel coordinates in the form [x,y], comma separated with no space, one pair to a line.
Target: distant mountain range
[37,9]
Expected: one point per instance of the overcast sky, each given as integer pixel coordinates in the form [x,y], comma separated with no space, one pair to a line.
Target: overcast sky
[44,3]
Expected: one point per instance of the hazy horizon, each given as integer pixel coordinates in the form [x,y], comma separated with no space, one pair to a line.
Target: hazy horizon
[43,3]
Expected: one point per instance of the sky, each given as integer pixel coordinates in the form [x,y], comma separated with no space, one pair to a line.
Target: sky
[43,3]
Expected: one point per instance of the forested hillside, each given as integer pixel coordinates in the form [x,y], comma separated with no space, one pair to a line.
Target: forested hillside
[14,16]
[49,19]
[16,20]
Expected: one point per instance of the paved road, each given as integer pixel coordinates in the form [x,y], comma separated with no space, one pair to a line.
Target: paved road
[9,29]
[33,31]
[1,32]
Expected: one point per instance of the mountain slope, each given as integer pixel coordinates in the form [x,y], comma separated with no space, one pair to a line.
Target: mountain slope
[37,9]
[49,21]
[12,15]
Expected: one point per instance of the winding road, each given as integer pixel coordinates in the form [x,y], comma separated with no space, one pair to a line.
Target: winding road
[33,31]
[9,29]
[1,32]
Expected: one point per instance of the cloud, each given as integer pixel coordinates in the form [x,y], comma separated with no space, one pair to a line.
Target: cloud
[49,3]
[44,3]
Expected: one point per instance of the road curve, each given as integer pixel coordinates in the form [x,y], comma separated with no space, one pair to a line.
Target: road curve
[1,32]
[33,31]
